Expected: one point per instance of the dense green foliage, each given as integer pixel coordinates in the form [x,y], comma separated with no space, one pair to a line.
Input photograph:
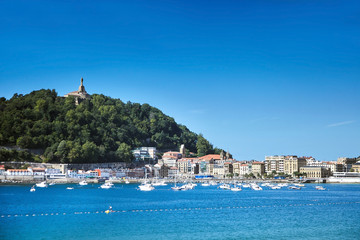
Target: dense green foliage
[101,129]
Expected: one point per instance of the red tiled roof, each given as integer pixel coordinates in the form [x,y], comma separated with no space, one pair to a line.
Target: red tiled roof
[210,156]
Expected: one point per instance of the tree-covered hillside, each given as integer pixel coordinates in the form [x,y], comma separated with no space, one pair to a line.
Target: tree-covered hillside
[101,129]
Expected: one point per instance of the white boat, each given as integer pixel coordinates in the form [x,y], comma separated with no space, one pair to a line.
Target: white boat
[246,185]
[69,188]
[146,187]
[42,184]
[255,187]
[299,184]
[159,183]
[205,184]
[321,188]
[83,183]
[225,186]
[106,185]
[236,189]
[294,188]
[127,181]
[275,187]
[32,189]
[51,184]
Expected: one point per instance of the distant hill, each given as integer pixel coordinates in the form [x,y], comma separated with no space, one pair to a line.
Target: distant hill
[100,129]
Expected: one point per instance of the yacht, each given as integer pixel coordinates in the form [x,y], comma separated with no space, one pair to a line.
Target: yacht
[42,184]
[83,183]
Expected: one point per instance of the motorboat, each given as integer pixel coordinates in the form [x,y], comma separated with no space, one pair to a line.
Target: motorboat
[106,185]
[294,188]
[146,187]
[159,183]
[205,184]
[255,187]
[42,184]
[83,183]
[225,186]
[275,187]
[127,181]
[69,188]
[32,189]
[321,188]
[236,189]
[176,188]
[51,184]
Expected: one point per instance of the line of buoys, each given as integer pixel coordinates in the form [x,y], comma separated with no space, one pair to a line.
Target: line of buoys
[176,209]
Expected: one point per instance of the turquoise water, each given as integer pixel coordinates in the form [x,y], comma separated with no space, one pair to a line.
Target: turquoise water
[202,213]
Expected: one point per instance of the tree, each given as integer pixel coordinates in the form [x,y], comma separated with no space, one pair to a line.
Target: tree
[203,146]
[124,153]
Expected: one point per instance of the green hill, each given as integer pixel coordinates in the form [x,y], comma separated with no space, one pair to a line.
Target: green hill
[101,129]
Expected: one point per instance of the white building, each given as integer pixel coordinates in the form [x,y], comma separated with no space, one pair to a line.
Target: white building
[274,163]
[145,153]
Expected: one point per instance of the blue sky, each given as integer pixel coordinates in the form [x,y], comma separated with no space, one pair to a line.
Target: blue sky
[255,77]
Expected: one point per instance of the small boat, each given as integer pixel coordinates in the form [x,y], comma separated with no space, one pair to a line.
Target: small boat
[83,183]
[106,185]
[69,188]
[176,188]
[236,189]
[127,181]
[321,188]
[42,184]
[32,189]
[146,187]
[205,184]
[294,188]
[51,184]
[225,186]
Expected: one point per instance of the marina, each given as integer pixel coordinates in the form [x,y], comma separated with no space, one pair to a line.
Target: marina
[204,212]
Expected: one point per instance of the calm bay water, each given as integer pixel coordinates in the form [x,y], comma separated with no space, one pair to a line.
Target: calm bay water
[202,213]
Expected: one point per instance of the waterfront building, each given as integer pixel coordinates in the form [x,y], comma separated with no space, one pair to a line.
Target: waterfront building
[172,172]
[293,163]
[80,94]
[2,170]
[145,154]
[228,168]
[274,163]
[258,168]
[171,158]
[314,171]
[346,163]
[19,172]
[355,167]
[236,168]
[244,169]
[218,171]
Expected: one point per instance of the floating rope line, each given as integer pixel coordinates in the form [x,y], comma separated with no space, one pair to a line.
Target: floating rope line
[173,209]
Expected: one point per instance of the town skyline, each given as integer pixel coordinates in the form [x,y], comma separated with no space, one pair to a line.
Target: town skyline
[256,79]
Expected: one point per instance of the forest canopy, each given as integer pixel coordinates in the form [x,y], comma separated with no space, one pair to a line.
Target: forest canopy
[100,129]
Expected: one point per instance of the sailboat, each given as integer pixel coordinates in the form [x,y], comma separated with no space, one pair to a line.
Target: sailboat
[145,186]
[176,188]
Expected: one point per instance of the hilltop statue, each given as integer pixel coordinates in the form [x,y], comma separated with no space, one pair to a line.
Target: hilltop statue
[79,95]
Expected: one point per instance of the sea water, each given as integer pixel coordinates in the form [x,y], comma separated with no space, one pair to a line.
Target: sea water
[201,213]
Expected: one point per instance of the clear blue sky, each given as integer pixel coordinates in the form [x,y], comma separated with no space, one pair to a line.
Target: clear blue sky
[255,77]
